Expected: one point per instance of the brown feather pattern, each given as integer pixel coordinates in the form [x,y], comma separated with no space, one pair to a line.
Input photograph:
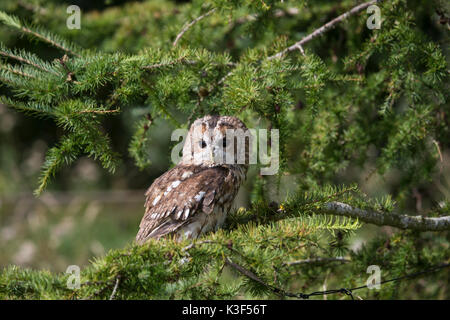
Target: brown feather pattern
[171,201]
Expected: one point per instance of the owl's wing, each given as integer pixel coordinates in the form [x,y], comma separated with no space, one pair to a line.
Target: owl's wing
[179,194]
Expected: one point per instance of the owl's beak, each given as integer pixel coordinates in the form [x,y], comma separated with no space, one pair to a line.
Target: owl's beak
[211,154]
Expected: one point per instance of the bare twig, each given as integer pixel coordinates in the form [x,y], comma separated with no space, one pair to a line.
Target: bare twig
[115,288]
[401,221]
[99,111]
[190,24]
[323,29]
[222,80]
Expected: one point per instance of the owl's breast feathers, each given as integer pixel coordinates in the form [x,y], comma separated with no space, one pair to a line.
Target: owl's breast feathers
[185,192]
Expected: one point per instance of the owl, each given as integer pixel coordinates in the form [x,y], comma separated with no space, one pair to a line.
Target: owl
[195,196]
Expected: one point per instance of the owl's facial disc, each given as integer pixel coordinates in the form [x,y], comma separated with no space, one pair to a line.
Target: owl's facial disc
[209,151]
[207,142]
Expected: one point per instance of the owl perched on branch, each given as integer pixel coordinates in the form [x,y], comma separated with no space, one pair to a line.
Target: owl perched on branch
[196,195]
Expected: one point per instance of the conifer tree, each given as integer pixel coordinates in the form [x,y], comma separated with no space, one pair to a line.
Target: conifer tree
[342,95]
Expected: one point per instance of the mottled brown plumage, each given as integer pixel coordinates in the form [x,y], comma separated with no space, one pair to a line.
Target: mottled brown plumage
[195,196]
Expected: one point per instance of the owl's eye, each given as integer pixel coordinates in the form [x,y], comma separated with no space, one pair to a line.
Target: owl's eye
[224,142]
[203,144]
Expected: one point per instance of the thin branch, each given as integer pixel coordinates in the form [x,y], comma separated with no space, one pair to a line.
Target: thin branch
[439,150]
[99,111]
[323,29]
[253,276]
[280,292]
[15,23]
[317,260]
[70,75]
[189,25]
[401,221]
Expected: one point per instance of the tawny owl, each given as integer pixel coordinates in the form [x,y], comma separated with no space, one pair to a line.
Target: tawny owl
[196,195]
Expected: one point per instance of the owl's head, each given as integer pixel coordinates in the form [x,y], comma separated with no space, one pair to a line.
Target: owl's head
[216,140]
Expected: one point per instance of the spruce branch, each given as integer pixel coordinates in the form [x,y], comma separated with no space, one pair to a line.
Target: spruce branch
[65,153]
[47,38]
[35,109]
[16,71]
[401,221]
[190,24]
[26,58]
[11,21]
[42,35]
